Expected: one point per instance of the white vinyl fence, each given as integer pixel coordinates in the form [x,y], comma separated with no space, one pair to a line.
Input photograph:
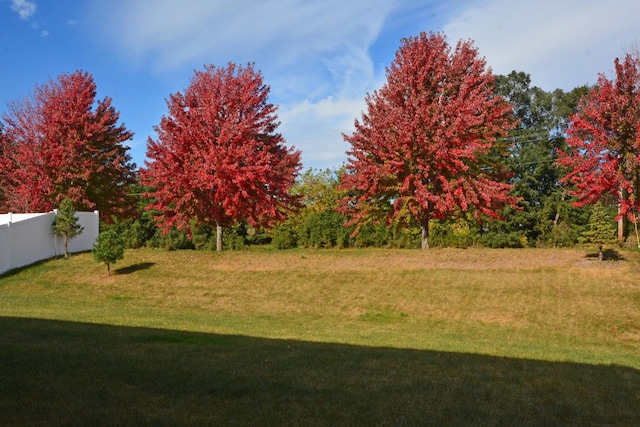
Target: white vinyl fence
[28,238]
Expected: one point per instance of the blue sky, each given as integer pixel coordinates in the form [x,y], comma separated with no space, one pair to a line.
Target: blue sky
[320,58]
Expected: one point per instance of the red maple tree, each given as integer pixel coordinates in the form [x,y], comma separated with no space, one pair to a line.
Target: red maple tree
[603,155]
[218,158]
[60,143]
[421,149]
[5,163]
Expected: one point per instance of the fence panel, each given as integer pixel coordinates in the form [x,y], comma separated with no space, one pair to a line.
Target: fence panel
[84,242]
[32,240]
[5,259]
[28,238]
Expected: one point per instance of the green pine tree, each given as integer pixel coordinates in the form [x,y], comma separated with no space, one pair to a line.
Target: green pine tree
[108,248]
[602,230]
[66,224]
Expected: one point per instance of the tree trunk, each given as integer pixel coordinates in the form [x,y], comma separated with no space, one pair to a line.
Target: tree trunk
[621,220]
[218,238]
[621,229]
[66,250]
[556,220]
[600,253]
[554,231]
[425,235]
[108,270]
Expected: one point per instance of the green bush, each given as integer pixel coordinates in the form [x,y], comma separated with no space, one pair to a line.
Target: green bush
[371,235]
[108,248]
[204,237]
[324,229]
[66,223]
[562,236]
[407,238]
[233,238]
[284,236]
[173,240]
[503,240]
[457,233]
[140,231]
[136,232]
[257,237]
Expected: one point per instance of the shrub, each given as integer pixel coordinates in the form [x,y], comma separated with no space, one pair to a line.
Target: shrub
[407,238]
[285,236]
[108,248]
[66,224]
[324,229]
[233,238]
[601,229]
[376,235]
[495,239]
[452,233]
[137,232]
[173,240]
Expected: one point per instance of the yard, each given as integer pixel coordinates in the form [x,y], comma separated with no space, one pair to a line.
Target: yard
[303,337]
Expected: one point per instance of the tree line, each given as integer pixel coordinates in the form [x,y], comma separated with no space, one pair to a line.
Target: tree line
[446,154]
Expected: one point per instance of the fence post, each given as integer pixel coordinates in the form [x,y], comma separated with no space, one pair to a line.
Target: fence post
[55,236]
[97,215]
[8,248]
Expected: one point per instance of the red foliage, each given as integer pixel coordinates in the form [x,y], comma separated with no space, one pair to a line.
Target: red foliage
[5,163]
[57,146]
[420,147]
[218,158]
[603,158]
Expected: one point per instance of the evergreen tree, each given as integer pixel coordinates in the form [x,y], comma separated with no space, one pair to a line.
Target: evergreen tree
[66,224]
[108,248]
[601,229]
[546,215]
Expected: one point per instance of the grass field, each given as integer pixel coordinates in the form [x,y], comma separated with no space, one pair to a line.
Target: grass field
[364,337]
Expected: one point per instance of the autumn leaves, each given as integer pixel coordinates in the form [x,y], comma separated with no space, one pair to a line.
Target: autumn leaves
[426,147]
[218,158]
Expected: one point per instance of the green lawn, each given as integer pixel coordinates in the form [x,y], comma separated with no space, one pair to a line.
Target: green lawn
[364,337]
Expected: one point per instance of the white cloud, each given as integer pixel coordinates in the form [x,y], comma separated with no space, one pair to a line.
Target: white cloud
[24,8]
[316,129]
[314,55]
[331,36]
[560,43]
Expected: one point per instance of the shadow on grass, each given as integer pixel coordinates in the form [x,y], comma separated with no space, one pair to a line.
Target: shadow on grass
[607,255]
[61,373]
[135,267]
[18,270]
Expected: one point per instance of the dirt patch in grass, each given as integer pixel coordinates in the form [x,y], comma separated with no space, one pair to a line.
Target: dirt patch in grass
[591,263]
